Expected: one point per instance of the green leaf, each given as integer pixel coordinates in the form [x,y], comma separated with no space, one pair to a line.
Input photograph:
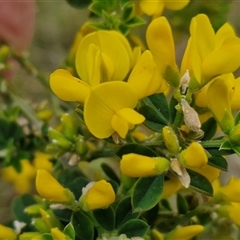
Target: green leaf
[63,214]
[77,185]
[200,183]
[209,127]
[154,119]
[218,152]
[160,103]
[236,149]
[172,109]
[105,218]
[46,236]
[110,173]
[79,3]
[124,3]
[83,226]
[136,148]
[135,22]
[96,8]
[124,212]
[18,206]
[147,192]
[218,162]
[133,228]
[69,231]
[226,145]
[128,13]
[182,204]
[172,77]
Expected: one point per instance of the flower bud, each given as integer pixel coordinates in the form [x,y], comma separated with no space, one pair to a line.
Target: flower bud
[187,232]
[170,140]
[194,156]
[97,195]
[69,126]
[7,233]
[234,135]
[30,236]
[81,146]
[57,234]
[135,165]
[59,139]
[34,209]
[49,188]
[50,219]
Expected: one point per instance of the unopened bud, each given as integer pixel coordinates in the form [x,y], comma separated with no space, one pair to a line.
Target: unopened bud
[191,118]
[234,135]
[81,146]
[59,139]
[170,140]
[69,126]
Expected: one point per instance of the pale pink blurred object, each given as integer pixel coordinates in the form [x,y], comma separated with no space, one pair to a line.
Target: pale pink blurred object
[17,22]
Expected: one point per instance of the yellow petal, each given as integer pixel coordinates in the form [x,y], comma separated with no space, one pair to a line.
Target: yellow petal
[202,32]
[67,87]
[48,187]
[170,187]
[194,156]
[99,195]
[135,165]
[231,190]
[224,60]
[151,7]
[93,65]
[112,46]
[142,76]
[219,101]
[223,32]
[235,102]
[103,103]
[7,233]
[57,234]
[120,126]
[185,233]
[160,42]
[131,116]
[175,5]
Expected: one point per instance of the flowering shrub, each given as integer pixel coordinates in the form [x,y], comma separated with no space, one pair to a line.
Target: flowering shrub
[139,152]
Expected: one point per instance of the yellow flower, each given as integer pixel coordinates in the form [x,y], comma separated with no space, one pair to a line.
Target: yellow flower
[49,188]
[22,180]
[7,233]
[42,160]
[230,192]
[219,101]
[209,54]
[170,187]
[232,211]
[160,42]
[194,156]
[135,165]
[155,8]
[97,195]
[185,233]
[109,109]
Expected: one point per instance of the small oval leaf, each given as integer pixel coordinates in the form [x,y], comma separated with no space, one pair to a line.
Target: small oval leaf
[200,183]
[83,226]
[124,212]
[218,162]
[134,228]
[105,218]
[147,192]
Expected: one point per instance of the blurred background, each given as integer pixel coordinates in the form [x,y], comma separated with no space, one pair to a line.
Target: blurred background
[56,24]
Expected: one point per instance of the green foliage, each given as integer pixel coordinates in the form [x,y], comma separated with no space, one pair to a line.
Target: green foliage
[147,192]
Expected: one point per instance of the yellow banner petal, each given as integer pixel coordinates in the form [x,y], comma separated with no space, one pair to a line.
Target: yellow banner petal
[103,103]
